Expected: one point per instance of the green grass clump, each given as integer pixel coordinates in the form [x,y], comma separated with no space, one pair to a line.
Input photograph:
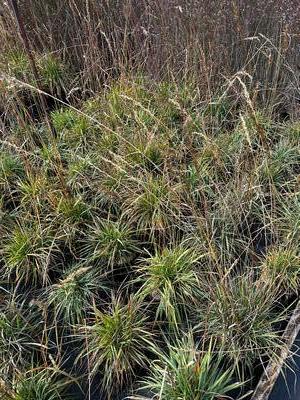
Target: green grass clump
[74,129]
[153,206]
[117,342]
[39,385]
[27,253]
[240,314]
[19,329]
[183,371]
[282,266]
[72,296]
[280,167]
[17,64]
[148,155]
[64,119]
[293,131]
[11,169]
[53,72]
[170,279]
[289,219]
[33,190]
[72,209]
[110,244]
[21,80]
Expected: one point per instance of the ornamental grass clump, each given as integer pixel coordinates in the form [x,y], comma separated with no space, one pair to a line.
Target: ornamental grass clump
[171,280]
[39,385]
[282,267]
[20,327]
[27,252]
[110,244]
[153,205]
[116,342]
[73,295]
[184,371]
[241,315]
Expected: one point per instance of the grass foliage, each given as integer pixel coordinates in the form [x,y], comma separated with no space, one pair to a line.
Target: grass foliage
[188,373]
[196,235]
[149,206]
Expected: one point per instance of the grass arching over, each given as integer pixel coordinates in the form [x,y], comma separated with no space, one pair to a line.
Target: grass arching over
[149,216]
